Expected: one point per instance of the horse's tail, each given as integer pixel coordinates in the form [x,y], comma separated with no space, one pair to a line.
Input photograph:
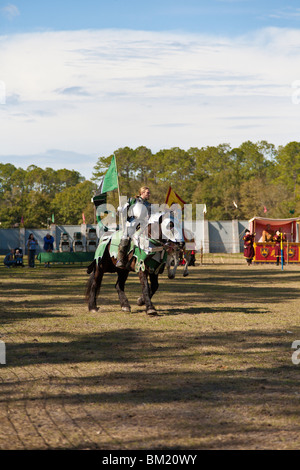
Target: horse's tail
[91,267]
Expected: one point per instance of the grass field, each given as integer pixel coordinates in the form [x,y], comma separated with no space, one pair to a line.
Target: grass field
[212,371]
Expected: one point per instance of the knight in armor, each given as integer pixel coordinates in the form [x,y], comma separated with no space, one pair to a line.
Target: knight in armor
[138,212]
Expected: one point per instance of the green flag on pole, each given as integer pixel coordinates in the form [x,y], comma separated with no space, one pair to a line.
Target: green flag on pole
[52,218]
[109,183]
[110,180]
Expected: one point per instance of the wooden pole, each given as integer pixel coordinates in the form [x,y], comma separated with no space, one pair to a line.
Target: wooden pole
[281,250]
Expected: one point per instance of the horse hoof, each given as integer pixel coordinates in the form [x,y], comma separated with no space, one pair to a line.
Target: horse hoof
[94,310]
[126,309]
[151,311]
[185,274]
[171,276]
[140,301]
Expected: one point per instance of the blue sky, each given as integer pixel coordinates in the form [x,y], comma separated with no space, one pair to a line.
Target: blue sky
[79,79]
[211,16]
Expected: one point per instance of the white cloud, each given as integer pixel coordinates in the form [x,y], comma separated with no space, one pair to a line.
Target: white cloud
[286,13]
[91,92]
[10,11]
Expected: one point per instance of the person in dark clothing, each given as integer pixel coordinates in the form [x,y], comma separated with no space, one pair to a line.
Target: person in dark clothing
[32,245]
[248,246]
[277,239]
[192,258]
[9,259]
[48,246]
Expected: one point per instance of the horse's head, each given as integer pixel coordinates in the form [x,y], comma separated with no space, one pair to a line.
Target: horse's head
[165,229]
[172,230]
[175,252]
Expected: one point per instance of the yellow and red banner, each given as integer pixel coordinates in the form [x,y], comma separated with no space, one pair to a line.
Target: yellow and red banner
[173,198]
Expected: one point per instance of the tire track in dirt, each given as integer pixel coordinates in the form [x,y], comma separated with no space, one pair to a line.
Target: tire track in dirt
[35,414]
[8,430]
[96,426]
[75,416]
[45,420]
[27,431]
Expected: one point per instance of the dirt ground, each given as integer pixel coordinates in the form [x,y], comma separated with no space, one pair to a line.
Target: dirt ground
[213,370]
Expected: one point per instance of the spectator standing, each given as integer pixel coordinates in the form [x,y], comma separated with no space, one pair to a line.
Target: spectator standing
[32,245]
[48,246]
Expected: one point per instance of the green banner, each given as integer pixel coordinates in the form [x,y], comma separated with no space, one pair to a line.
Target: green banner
[110,181]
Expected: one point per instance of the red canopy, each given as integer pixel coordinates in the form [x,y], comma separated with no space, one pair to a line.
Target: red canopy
[287,226]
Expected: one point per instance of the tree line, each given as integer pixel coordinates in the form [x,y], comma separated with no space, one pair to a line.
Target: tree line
[254,179]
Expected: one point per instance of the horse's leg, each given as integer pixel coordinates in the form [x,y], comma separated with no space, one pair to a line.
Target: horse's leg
[120,286]
[153,288]
[146,294]
[187,262]
[93,288]
[185,271]
[154,284]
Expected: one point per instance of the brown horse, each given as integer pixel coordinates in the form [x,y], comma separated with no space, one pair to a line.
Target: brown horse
[148,272]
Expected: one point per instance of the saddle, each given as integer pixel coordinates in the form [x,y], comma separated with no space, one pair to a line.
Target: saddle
[149,253]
